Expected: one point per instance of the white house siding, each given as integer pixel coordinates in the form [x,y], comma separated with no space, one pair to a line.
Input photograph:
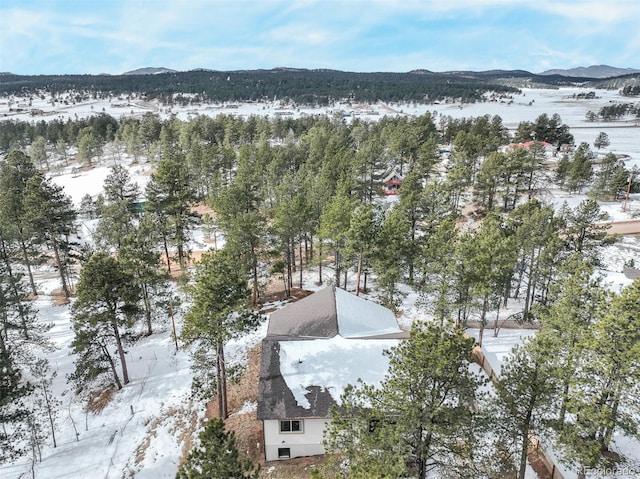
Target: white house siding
[307,443]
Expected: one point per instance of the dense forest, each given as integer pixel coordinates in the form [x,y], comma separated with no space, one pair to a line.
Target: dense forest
[294,195]
[311,87]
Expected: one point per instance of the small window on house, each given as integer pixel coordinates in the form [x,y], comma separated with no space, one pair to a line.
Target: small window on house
[284,453]
[373,424]
[291,426]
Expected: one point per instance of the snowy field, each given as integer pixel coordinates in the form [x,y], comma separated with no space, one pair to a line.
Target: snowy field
[142,430]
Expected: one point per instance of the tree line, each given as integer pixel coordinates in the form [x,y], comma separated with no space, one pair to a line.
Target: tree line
[308,87]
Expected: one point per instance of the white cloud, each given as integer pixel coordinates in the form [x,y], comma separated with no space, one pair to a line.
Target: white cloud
[300,34]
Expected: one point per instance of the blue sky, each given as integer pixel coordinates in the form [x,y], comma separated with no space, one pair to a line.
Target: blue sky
[114,36]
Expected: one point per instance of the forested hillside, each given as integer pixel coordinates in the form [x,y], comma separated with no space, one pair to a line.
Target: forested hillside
[314,87]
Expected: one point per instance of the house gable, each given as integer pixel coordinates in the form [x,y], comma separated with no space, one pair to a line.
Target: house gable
[314,348]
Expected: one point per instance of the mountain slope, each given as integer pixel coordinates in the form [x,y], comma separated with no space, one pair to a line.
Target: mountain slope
[593,71]
[149,71]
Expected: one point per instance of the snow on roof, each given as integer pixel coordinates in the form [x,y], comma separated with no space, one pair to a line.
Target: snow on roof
[332,311]
[315,347]
[359,318]
[529,144]
[393,175]
[303,364]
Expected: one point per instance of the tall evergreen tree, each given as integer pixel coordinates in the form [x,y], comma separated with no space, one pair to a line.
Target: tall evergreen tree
[580,170]
[421,419]
[604,390]
[170,197]
[361,238]
[22,337]
[576,298]
[388,259]
[489,256]
[438,266]
[15,172]
[585,228]
[611,179]
[524,394]
[107,304]
[240,214]
[51,216]
[218,314]
[334,225]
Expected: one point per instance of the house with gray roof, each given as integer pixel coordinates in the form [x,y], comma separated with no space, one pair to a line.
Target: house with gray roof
[313,349]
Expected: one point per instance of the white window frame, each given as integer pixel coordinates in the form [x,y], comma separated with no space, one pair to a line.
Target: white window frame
[291,430]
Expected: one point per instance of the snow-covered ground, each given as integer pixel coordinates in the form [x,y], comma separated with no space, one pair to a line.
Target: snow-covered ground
[497,349]
[142,429]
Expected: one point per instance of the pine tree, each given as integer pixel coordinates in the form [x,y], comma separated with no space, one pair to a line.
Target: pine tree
[21,339]
[604,390]
[140,259]
[388,260]
[575,300]
[334,225]
[118,186]
[51,216]
[412,205]
[217,314]
[585,228]
[581,170]
[611,179]
[601,141]
[38,152]
[488,180]
[361,238]
[89,146]
[524,394]
[239,210]
[216,456]
[421,419]
[169,199]
[107,302]
[534,228]
[15,172]
[489,256]
[438,267]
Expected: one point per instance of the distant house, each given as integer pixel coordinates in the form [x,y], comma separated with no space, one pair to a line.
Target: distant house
[549,149]
[137,207]
[313,349]
[392,182]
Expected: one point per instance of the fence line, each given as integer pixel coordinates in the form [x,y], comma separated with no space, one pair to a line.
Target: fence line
[483,362]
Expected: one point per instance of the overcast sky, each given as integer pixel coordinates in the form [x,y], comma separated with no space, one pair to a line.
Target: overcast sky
[114,36]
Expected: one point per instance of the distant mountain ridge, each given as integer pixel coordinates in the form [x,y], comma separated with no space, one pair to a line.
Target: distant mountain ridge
[593,71]
[149,71]
[304,86]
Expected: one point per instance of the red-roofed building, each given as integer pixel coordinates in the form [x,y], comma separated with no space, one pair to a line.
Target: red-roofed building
[392,182]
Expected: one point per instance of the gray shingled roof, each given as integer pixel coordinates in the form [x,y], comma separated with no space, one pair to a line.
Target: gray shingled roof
[332,311]
[275,400]
[322,315]
[311,317]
